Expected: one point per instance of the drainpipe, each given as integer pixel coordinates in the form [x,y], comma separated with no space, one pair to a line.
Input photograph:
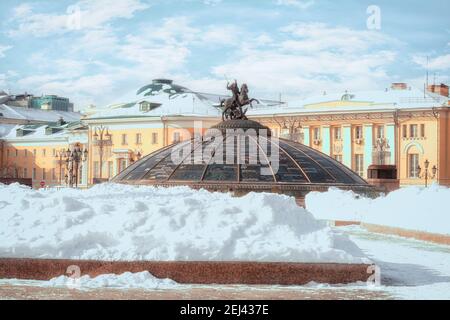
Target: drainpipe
[163,120]
[1,155]
[397,134]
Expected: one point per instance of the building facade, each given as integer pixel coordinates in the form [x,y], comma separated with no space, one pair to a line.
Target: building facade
[38,151]
[32,139]
[398,126]
[163,113]
[51,102]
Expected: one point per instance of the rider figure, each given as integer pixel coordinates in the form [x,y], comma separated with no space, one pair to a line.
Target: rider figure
[235,90]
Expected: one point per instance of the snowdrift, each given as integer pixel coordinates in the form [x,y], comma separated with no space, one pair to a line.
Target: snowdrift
[131,223]
[127,280]
[413,208]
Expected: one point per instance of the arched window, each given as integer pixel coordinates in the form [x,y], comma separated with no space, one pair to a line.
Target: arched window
[413,152]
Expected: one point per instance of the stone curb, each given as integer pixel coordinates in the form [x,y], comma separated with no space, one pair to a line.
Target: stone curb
[251,273]
[406,233]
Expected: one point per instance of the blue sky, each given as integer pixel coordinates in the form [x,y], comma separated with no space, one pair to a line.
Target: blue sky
[100,52]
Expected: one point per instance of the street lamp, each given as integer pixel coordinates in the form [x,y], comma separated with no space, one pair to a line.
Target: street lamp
[102,139]
[74,158]
[426,174]
[135,156]
[61,157]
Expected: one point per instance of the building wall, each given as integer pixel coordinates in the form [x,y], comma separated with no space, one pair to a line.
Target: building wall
[433,146]
[39,156]
[119,155]
[426,147]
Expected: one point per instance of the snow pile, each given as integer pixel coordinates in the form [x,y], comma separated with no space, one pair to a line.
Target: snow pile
[117,222]
[336,204]
[414,208]
[127,280]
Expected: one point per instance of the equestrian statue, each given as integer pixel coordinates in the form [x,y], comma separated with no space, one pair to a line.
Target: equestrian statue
[233,107]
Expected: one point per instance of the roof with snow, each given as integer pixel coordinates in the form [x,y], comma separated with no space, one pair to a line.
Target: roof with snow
[164,98]
[389,99]
[37,115]
[52,130]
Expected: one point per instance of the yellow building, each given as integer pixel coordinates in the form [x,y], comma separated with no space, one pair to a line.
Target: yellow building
[36,152]
[162,114]
[30,139]
[398,126]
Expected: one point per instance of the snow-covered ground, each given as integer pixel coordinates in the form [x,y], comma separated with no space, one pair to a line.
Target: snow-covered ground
[414,208]
[119,222]
[127,280]
[409,270]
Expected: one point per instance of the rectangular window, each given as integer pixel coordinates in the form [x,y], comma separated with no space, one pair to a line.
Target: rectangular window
[413,131]
[122,164]
[25,153]
[54,152]
[359,164]
[422,131]
[358,132]
[338,157]
[154,138]
[43,152]
[285,132]
[17,153]
[413,165]
[44,176]
[34,174]
[96,169]
[405,131]
[34,152]
[138,138]
[380,132]
[337,133]
[275,132]
[316,133]
[53,174]
[25,173]
[110,169]
[7,153]
[124,139]
[176,137]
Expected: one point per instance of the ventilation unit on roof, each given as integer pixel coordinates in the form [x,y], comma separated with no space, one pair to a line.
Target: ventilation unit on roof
[146,106]
[52,130]
[21,132]
[347,97]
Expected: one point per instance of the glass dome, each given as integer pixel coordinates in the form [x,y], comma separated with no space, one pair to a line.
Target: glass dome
[297,169]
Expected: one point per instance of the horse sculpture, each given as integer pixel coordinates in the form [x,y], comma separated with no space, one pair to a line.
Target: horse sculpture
[233,107]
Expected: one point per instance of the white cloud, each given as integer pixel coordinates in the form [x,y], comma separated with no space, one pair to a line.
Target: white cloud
[92,14]
[22,10]
[212,2]
[101,65]
[437,63]
[314,58]
[301,4]
[3,49]
[313,37]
